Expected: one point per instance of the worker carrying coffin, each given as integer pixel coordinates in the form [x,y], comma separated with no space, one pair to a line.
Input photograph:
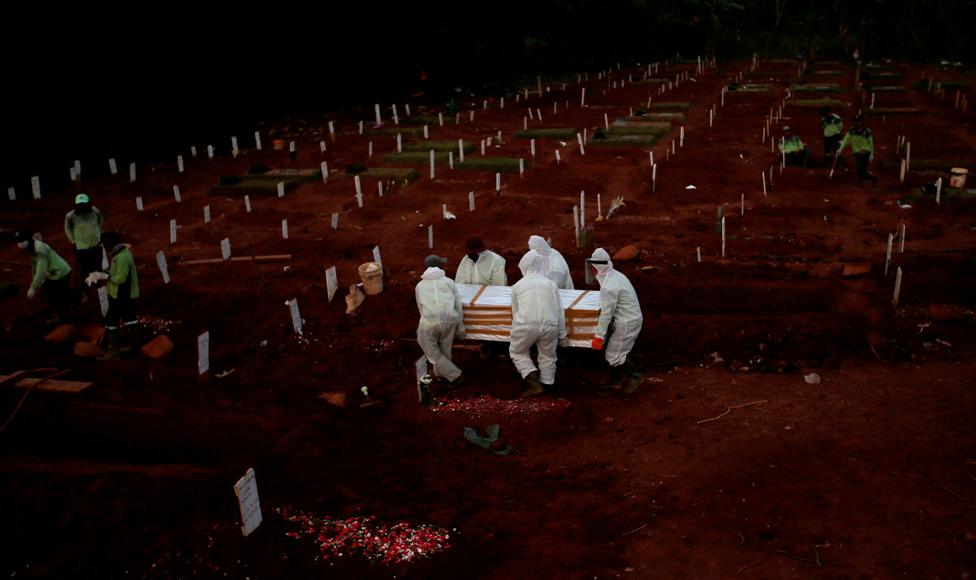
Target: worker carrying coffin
[620,321]
[538,319]
[441,319]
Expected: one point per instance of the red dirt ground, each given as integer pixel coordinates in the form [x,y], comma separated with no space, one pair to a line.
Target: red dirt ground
[871,473]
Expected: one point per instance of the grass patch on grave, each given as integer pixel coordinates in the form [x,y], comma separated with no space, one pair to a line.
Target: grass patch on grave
[658,118]
[496,164]
[624,141]
[657,129]
[815,103]
[884,89]
[407,131]
[651,82]
[432,120]
[415,158]
[751,88]
[265,183]
[893,111]
[565,133]
[437,146]
[670,106]
[826,73]
[816,88]
[399,174]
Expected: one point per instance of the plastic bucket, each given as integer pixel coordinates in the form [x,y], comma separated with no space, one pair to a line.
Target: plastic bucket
[958,178]
[371,274]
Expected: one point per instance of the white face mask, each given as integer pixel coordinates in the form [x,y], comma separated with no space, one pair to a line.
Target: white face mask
[22,245]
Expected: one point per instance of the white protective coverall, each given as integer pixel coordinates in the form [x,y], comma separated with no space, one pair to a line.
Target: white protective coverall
[538,318]
[489,269]
[556,268]
[441,320]
[619,305]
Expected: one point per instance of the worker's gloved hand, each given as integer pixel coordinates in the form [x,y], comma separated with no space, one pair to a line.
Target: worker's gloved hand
[94,278]
[31,292]
[597,343]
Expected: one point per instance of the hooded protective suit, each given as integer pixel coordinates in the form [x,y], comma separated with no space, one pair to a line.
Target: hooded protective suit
[619,305]
[441,320]
[489,269]
[538,318]
[555,266]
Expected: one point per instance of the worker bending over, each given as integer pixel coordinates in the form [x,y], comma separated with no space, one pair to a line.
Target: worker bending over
[481,266]
[793,150]
[862,146]
[50,274]
[441,319]
[832,127]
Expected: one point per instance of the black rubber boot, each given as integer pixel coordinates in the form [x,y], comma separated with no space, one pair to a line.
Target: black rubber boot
[634,378]
[113,339]
[535,387]
[133,338]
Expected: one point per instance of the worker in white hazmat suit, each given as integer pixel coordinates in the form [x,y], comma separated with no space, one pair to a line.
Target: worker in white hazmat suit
[441,319]
[538,319]
[481,266]
[556,268]
[620,321]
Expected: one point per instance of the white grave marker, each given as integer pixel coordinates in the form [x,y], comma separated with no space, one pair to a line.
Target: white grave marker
[247,203]
[331,282]
[103,299]
[379,119]
[470,201]
[897,286]
[281,189]
[296,316]
[257,140]
[206,214]
[179,163]
[359,185]
[284,229]
[376,255]
[225,249]
[891,238]
[322,146]
[430,237]
[233,147]
[172,231]
[324,167]
[461,150]
[11,194]
[432,164]
[203,353]
[176,194]
[193,150]
[210,152]
[163,267]
[335,220]
[132,172]
[246,490]
[112,167]
[498,183]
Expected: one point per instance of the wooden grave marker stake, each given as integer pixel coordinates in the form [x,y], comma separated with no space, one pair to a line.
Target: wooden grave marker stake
[206,214]
[430,237]
[450,160]
[210,152]
[331,282]
[172,232]
[324,168]
[470,201]
[180,167]
[576,224]
[891,238]
[376,255]
[203,352]
[225,249]
[322,146]
[432,164]
[901,242]
[897,295]
[139,206]
[723,236]
[281,189]
[359,185]
[284,229]
[163,267]
[112,167]
[176,194]
[257,140]
[698,253]
[335,221]
[132,172]
[233,147]
[498,183]
[379,118]
[558,160]
[461,150]
[247,203]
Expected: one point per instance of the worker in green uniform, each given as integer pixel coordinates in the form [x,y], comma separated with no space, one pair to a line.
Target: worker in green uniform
[122,329]
[862,146]
[792,149]
[833,125]
[50,274]
[83,227]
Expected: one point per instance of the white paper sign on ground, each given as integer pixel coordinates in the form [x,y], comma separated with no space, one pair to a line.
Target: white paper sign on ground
[335,221]
[163,267]
[246,490]
[281,189]
[172,231]
[331,281]
[132,172]
[247,203]
[112,167]
[11,194]
[176,194]
[376,255]
[103,299]
[225,248]
[179,163]
[296,316]
[139,205]
[206,214]
[420,370]
[36,187]
[203,353]
[284,229]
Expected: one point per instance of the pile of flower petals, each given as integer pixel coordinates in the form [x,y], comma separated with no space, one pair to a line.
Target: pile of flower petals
[486,405]
[363,536]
